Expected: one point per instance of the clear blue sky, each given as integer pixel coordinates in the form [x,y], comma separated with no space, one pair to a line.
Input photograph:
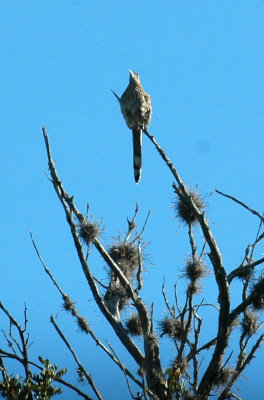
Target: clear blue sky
[202,62]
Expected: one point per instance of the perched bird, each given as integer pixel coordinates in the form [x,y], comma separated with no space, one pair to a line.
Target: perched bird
[136,108]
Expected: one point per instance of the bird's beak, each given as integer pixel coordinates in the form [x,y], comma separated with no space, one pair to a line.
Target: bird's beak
[131,72]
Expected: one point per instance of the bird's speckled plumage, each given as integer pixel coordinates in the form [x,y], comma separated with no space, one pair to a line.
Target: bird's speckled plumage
[136,108]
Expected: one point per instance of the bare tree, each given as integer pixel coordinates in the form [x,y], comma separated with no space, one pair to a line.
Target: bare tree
[183,325]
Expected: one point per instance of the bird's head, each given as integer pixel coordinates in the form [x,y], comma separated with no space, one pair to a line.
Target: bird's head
[134,77]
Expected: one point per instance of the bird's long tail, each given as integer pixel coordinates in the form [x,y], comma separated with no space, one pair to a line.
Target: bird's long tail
[137,153]
[114,93]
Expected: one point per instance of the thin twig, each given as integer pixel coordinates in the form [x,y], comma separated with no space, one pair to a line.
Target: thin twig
[166,300]
[75,313]
[82,369]
[120,363]
[70,208]
[131,224]
[139,271]
[192,242]
[242,204]
[176,299]
[206,305]
[258,238]
[240,367]
[23,349]
[228,358]
[143,229]
[197,331]
[100,283]
[44,265]
[235,396]
[165,158]
[243,268]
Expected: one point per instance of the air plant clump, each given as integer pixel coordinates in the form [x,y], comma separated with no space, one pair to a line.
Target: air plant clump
[115,289]
[116,295]
[249,323]
[123,297]
[83,324]
[194,287]
[235,323]
[125,255]
[88,231]
[257,293]
[245,273]
[68,304]
[195,269]
[224,376]
[184,208]
[133,325]
[171,327]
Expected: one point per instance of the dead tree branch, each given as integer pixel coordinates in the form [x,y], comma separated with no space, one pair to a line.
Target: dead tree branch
[242,204]
[81,367]
[152,369]
[221,342]
[69,305]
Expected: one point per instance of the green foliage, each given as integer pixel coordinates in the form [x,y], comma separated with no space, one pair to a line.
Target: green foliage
[175,384]
[13,388]
[39,385]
